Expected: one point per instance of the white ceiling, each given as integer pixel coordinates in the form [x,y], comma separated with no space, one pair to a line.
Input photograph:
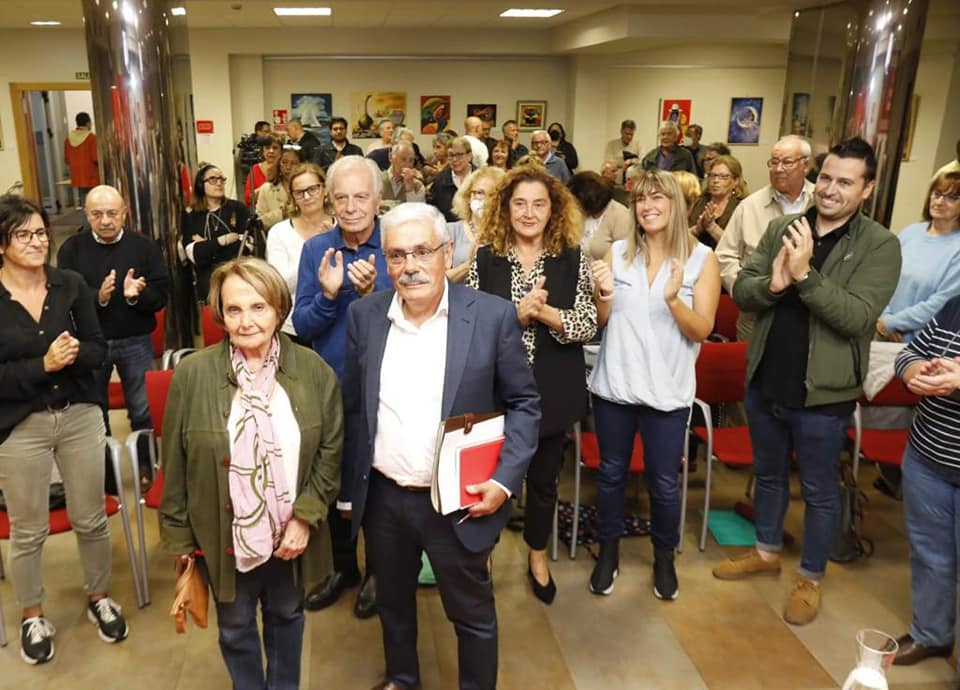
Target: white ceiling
[377,13]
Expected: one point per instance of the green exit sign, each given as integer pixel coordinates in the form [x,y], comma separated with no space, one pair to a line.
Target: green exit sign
[82,76]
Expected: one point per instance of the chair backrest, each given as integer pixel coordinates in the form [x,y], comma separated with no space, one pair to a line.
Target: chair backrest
[721,370]
[894,393]
[158,333]
[158,387]
[212,333]
[590,452]
[725,323]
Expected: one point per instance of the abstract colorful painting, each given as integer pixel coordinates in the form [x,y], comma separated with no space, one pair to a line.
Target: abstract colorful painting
[434,114]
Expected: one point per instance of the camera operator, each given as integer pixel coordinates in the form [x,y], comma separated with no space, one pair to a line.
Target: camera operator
[249,150]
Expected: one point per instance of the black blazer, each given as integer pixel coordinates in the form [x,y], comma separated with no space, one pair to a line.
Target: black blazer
[441,194]
[558,368]
[486,371]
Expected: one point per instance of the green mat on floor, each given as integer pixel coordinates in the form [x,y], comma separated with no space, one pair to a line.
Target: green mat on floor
[732,529]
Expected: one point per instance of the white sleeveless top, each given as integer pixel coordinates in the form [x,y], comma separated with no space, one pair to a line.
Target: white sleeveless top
[644,358]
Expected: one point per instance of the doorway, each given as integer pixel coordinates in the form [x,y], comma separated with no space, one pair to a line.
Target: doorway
[44,115]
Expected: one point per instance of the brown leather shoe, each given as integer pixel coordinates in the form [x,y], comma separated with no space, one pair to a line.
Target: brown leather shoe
[911,652]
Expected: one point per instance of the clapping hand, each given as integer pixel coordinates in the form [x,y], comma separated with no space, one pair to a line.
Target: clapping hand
[528,308]
[330,275]
[132,287]
[363,274]
[938,377]
[798,242]
[62,353]
[780,278]
[107,287]
[602,277]
[674,281]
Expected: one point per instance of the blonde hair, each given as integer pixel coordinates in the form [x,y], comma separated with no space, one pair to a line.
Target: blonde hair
[461,200]
[563,230]
[733,165]
[680,242]
[259,275]
[689,185]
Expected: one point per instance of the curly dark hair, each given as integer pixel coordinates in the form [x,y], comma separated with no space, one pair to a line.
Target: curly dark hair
[592,190]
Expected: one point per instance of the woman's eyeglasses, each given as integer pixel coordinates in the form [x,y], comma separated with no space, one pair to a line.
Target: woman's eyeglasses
[215,179]
[26,236]
[307,192]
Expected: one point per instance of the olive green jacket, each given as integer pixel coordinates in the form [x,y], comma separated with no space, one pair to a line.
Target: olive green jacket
[845,298]
[195,455]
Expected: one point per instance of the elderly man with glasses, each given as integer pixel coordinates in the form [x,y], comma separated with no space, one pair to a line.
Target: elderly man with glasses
[788,192]
[127,272]
[556,166]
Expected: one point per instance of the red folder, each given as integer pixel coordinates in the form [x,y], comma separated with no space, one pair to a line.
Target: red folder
[477,465]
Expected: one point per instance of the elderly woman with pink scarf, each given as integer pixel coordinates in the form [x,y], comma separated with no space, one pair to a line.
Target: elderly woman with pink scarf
[251,454]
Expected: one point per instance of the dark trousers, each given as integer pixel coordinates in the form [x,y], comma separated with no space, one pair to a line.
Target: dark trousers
[817,440]
[281,602]
[542,491]
[399,525]
[344,546]
[662,434]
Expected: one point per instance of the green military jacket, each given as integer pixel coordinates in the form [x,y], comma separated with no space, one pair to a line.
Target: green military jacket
[195,456]
[845,299]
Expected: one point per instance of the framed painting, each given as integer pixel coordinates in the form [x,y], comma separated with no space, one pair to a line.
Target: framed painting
[676,110]
[485,111]
[745,117]
[531,115]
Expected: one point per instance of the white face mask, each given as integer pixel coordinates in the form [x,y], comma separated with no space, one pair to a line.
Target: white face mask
[476,207]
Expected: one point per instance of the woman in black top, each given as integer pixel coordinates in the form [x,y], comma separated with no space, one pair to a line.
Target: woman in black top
[213,230]
[49,413]
[531,231]
[448,181]
[563,148]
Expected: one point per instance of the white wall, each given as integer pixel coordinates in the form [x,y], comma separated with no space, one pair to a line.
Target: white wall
[613,88]
[78,102]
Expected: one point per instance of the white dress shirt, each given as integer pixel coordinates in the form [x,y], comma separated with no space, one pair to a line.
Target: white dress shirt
[411,395]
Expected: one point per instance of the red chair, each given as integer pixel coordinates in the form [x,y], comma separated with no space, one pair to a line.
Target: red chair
[60,522]
[885,446]
[725,324]
[211,332]
[721,373]
[158,388]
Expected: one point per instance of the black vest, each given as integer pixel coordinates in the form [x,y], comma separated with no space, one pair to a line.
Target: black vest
[558,368]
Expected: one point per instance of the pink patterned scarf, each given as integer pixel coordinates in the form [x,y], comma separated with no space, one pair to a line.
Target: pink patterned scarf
[262,504]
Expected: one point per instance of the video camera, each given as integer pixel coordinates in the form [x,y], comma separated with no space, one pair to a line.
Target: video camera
[250,149]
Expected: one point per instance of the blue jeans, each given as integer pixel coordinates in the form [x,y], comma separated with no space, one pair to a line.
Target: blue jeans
[281,602]
[662,434]
[777,431]
[931,508]
[133,358]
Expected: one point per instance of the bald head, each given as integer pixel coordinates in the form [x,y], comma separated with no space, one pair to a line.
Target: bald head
[473,126]
[105,212]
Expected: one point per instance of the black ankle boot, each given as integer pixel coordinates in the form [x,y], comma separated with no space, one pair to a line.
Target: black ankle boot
[665,584]
[607,567]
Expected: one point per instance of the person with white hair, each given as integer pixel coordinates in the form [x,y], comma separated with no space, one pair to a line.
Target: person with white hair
[402,182]
[337,268]
[669,155]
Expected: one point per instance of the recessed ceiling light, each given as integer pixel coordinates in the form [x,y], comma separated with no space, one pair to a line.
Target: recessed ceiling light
[43,22]
[530,13]
[302,11]
[178,11]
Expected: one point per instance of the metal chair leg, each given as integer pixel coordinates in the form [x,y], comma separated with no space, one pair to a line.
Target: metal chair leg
[115,450]
[3,626]
[575,525]
[133,455]
[685,464]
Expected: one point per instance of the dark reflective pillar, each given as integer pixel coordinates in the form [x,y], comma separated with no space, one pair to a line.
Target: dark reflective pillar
[128,50]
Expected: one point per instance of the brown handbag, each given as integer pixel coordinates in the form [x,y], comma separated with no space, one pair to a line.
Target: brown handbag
[190,596]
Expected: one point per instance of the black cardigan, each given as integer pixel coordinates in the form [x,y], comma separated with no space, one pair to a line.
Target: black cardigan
[558,368]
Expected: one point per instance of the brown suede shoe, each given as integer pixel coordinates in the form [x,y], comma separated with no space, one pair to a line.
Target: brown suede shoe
[803,604]
[746,565]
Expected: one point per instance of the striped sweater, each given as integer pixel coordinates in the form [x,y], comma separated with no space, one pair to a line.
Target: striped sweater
[934,433]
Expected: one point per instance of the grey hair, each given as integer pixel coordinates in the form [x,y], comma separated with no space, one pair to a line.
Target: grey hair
[539,131]
[443,138]
[403,131]
[799,142]
[400,147]
[352,163]
[415,212]
[670,124]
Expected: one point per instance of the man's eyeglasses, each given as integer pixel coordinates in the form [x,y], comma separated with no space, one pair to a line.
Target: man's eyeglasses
[540,142]
[787,163]
[215,179]
[26,236]
[307,192]
[112,214]
[937,195]
[398,257]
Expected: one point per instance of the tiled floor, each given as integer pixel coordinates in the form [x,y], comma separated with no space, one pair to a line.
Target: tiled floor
[719,635]
[716,635]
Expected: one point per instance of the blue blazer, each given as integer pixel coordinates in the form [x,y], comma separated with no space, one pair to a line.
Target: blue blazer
[486,371]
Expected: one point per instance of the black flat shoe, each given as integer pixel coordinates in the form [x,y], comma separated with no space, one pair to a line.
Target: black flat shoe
[544,593]
[911,652]
[366,606]
[327,594]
